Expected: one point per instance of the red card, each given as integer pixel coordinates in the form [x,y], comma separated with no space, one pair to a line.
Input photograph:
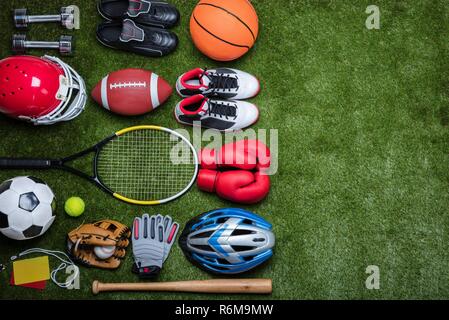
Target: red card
[39,285]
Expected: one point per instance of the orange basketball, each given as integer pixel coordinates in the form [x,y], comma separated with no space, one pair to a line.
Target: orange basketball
[224,30]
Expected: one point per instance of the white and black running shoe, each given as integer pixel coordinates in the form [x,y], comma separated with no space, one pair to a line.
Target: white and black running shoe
[222,115]
[224,83]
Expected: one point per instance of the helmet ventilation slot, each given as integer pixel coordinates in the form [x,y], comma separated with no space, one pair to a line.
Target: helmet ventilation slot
[222,220]
[209,259]
[206,234]
[221,268]
[247,221]
[241,232]
[202,247]
[222,261]
[243,248]
[248,258]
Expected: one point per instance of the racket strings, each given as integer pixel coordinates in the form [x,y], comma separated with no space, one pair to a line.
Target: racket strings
[146,165]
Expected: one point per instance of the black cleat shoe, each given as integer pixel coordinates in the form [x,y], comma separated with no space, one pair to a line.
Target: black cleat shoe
[130,36]
[151,13]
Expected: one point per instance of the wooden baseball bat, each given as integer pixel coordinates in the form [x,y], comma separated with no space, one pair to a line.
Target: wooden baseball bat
[259,286]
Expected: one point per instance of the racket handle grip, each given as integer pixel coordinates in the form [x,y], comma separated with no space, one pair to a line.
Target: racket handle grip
[23,163]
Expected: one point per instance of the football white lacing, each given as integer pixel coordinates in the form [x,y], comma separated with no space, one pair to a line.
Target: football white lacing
[123,85]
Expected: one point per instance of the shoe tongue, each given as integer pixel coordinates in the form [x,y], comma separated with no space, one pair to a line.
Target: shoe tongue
[131,32]
[204,107]
[204,80]
[137,7]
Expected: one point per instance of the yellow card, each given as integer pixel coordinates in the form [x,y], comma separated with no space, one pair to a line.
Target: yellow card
[31,270]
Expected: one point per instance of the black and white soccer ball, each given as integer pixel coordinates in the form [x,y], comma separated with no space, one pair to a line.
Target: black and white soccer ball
[27,208]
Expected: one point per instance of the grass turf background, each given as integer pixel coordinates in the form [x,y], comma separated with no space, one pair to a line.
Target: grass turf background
[363,174]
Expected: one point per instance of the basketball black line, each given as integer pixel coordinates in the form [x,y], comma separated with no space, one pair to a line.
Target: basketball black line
[232,14]
[213,35]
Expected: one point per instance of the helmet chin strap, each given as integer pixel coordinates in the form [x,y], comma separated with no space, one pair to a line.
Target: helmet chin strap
[65,263]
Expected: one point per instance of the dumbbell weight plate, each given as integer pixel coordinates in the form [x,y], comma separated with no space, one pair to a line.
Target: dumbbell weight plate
[20,18]
[18,43]
[66,45]
[67,17]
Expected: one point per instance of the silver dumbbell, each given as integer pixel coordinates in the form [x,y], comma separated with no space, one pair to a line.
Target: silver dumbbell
[66,17]
[20,44]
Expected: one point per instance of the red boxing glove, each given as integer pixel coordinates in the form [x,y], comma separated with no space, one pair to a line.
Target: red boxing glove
[238,185]
[243,154]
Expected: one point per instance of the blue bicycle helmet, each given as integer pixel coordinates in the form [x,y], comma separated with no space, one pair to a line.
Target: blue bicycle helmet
[227,241]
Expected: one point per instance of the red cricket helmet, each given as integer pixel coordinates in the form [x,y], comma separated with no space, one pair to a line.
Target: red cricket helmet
[40,90]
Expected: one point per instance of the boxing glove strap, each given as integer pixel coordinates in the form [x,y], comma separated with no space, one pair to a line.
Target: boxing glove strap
[206,180]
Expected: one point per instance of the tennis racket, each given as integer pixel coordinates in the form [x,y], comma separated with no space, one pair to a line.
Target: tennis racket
[144,165]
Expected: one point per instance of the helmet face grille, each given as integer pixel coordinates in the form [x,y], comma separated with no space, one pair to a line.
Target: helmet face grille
[227,241]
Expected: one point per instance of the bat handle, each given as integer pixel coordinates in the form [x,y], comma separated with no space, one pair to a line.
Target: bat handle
[243,286]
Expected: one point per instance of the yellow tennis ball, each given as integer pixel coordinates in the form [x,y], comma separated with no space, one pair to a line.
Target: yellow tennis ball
[74,206]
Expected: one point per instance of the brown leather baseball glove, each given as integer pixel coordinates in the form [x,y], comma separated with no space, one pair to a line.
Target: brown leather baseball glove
[101,244]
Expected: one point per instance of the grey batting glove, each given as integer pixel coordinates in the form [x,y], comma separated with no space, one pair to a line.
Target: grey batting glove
[148,245]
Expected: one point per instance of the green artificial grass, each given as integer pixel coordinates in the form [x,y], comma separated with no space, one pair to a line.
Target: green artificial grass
[362,118]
